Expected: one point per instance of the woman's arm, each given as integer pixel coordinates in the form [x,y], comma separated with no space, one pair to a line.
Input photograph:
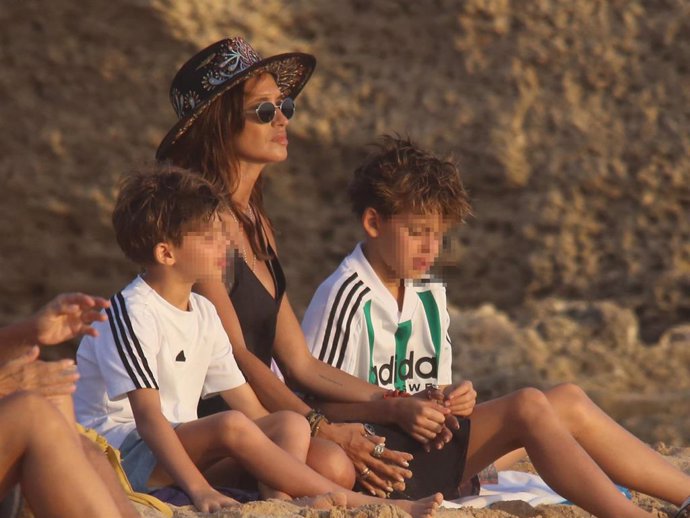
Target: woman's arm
[270,390]
[275,395]
[311,374]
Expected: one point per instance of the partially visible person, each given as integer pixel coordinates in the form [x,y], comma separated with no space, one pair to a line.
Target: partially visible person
[164,348]
[41,450]
[234,109]
[381,317]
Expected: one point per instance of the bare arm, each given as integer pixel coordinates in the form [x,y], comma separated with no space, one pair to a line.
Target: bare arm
[161,438]
[270,390]
[66,316]
[244,399]
[311,374]
[275,395]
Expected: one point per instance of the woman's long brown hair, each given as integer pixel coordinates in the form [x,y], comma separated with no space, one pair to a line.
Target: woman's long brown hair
[207,148]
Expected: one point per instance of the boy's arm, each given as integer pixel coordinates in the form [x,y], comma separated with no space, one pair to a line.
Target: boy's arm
[161,438]
[244,399]
[422,419]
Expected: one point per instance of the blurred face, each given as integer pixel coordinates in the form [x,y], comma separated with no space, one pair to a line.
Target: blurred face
[202,254]
[262,143]
[403,246]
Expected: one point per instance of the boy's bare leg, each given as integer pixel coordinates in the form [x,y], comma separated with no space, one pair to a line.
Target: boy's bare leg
[526,419]
[97,460]
[40,450]
[215,437]
[622,456]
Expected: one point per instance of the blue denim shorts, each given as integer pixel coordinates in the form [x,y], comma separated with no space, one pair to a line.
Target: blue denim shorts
[138,461]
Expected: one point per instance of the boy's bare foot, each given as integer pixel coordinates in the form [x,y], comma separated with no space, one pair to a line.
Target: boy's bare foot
[325,501]
[423,508]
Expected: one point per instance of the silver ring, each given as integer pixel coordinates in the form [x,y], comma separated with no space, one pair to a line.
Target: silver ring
[369,430]
[378,451]
[365,473]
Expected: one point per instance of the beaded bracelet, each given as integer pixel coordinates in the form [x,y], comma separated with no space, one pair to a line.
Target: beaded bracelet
[395,393]
[315,419]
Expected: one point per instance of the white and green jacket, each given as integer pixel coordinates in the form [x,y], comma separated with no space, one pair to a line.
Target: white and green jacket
[353,323]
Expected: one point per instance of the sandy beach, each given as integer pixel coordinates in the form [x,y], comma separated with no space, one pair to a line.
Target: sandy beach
[678,456]
[569,119]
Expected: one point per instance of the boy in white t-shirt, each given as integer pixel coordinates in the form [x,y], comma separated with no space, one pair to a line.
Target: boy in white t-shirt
[164,347]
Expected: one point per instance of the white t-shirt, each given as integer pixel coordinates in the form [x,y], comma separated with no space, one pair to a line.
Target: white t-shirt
[353,323]
[149,343]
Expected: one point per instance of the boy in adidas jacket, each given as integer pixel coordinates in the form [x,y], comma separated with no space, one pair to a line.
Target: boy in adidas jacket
[378,316]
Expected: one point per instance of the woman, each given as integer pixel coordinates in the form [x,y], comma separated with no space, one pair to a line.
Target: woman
[234,110]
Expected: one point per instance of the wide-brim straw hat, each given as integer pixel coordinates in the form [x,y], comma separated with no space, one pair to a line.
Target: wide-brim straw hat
[220,66]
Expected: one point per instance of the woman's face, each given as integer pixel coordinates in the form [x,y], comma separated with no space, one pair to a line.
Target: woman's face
[261,143]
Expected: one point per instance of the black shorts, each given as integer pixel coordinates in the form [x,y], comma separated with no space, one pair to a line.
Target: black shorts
[436,471]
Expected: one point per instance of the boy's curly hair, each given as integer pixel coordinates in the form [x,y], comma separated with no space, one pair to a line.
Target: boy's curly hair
[400,177]
[161,205]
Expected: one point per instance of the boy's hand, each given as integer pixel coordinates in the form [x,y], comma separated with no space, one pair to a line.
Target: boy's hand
[460,398]
[46,378]
[209,500]
[67,316]
[423,419]
[385,473]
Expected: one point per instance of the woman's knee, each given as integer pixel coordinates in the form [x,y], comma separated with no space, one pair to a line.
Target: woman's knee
[293,424]
[331,461]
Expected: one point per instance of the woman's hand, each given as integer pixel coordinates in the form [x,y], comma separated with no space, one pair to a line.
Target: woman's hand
[208,500]
[66,316]
[379,475]
[47,378]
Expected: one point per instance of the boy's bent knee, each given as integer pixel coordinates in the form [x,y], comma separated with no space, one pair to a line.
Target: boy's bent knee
[529,404]
[233,423]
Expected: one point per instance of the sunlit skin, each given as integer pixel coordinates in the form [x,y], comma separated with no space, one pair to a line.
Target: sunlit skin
[201,255]
[402,246]
[259,144]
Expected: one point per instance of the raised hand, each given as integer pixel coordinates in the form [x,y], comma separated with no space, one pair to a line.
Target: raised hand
[67,316]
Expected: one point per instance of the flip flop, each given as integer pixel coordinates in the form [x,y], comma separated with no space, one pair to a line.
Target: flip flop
[684,510]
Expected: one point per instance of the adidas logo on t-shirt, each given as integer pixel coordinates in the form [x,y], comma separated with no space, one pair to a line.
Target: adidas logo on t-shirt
[180,357]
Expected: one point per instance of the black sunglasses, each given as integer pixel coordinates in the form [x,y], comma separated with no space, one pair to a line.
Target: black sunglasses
[266,110]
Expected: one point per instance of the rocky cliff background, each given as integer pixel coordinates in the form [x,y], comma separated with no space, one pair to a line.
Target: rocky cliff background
[570,120]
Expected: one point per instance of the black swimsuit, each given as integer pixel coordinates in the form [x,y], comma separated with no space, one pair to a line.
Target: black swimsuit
[256,310]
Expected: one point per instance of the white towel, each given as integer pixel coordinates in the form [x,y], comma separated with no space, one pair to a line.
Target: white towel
[512,485]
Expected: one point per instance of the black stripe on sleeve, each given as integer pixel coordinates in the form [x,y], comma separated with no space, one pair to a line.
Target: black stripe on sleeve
[127,346]
[120,349]
[341,317]
[331,317]
[142,356]
[346,337]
